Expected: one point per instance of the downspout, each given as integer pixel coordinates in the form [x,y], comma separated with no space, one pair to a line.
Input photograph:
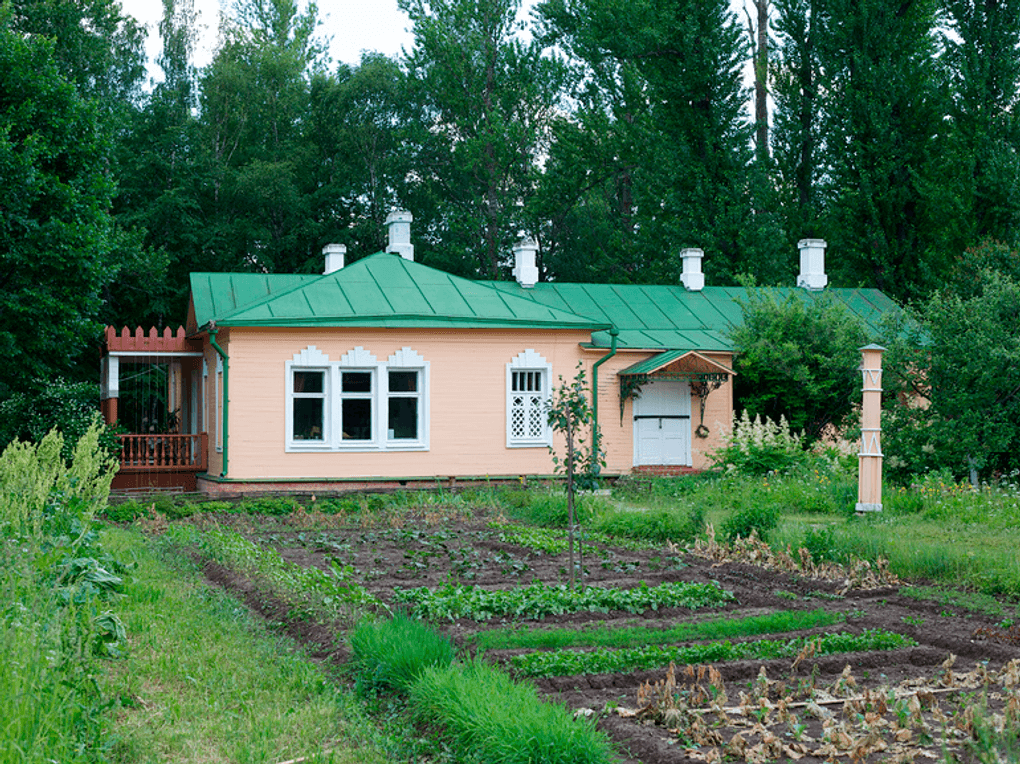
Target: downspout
[213,331]
[613,334]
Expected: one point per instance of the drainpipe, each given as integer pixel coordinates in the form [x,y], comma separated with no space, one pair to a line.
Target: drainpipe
[613,334]
[213,331]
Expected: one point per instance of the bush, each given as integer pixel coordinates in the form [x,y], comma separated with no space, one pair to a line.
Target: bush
[390,655]
[550,510]
[70,408]
[760,448]
[762,518]
[495,719]
[676,525]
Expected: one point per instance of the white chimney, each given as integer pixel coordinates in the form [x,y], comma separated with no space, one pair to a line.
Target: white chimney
[334,254]
[399,224]
[812,264]
[525,270]
[692,277]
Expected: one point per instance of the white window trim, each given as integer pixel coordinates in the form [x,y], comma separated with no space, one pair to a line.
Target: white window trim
[529,360]
[357,359]
[407,359]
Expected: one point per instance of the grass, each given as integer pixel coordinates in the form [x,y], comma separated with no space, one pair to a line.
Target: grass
[203,681]
[392,654]
[490,716]
[715,628]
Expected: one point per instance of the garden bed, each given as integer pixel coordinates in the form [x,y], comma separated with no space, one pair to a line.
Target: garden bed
[905,701]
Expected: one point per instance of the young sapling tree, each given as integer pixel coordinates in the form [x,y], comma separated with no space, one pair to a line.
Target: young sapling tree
[571,413]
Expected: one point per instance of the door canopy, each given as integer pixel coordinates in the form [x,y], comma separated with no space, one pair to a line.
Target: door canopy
[704,375]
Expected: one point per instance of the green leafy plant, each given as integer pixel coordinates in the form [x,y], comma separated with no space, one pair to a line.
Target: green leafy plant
[754,518]
[607,661]
[760,447]
[538,600]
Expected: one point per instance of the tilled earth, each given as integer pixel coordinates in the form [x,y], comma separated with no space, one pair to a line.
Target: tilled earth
[911,704]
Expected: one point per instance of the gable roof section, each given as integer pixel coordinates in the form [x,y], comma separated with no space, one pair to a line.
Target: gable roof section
[382,290]
[657,317]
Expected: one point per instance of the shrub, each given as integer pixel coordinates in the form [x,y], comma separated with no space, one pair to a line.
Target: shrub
[390,655]
[759,448]
[762,518]
[495,719]
[71,408]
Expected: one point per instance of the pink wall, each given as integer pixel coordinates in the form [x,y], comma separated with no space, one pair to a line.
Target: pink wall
[467,403]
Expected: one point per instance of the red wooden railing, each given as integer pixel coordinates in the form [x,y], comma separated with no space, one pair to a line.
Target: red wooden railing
[163,452]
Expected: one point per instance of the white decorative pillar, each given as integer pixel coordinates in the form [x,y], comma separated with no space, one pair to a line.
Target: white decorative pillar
[869,480]
[109,387]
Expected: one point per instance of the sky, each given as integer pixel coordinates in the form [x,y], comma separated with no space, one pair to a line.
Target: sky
[353,25]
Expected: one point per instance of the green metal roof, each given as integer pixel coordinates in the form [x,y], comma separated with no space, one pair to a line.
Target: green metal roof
[671,318]
[382,290]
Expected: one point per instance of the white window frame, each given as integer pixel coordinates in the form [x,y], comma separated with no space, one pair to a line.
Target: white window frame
[357,360]
[407,359]
[309,359]
[529,361]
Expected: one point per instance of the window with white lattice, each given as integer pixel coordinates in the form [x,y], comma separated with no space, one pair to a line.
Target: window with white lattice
[528,387]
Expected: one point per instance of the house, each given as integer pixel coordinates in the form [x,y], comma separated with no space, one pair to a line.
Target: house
[388,371]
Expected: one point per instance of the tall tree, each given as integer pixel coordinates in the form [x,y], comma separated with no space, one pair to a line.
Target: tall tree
[159,184]
[880,110]
[796,132]
[358,122]
[55,232]
[254,100]
[668,83]
[979,153]
[487,97]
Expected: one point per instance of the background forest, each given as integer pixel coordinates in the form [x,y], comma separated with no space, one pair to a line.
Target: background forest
[614,132]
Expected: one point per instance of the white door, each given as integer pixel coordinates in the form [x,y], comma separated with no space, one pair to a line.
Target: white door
[662,424]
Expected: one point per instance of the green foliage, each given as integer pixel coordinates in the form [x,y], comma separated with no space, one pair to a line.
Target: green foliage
[962,354]
[677,525]
[59,584]
[71,408]
[270,505]
[315,593]
[761,519]
[56,194]
[392,654]
[496,94]
[538,600]
[492,717]
[797,358]
[606,661]
[715,628]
